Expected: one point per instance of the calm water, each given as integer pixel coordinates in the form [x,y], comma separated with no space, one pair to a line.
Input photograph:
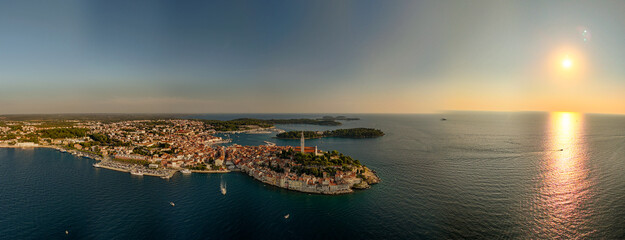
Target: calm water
[476,175]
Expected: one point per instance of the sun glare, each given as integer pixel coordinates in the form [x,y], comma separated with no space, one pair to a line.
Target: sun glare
[567,63]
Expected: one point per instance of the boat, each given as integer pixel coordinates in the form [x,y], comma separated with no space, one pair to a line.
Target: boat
[172,204]
[185,171]
[66,232]
[96,165]
[223,188]
[286,216]
[136,172]
[443,119]
[269,143]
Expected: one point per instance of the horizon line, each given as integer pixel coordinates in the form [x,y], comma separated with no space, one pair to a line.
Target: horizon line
[284,113]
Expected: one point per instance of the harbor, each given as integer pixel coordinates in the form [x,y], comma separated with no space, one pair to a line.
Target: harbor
[135,169]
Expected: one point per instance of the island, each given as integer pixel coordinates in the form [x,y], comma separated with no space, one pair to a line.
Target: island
[342,133]
[163,147]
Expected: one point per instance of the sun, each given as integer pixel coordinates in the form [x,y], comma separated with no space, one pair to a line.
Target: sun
[567,63]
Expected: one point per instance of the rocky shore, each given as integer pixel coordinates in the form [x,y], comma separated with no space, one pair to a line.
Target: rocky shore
[369,177]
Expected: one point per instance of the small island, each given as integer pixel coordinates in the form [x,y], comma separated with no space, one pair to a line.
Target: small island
[341,133]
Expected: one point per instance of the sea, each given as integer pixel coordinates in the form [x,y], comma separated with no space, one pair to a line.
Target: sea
[477,175]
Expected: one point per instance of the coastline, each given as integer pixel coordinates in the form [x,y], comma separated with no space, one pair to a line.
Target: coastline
[304,190]
[168,173]
[254,131]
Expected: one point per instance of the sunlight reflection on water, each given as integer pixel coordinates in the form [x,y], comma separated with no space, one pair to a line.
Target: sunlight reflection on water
[565,188]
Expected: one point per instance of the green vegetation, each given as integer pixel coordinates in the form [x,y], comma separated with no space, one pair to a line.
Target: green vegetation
[344,133]
[299,170]
[355,133]
[311,164]
[161,145]
[241,124]
[333,158]
[200,167]
[298,135]
[9,136]
[31,137]
[104,140]
[56,133]
[142,151]
[101,138]
[236,124]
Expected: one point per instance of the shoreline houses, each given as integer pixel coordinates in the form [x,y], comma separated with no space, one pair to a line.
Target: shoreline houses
[176,144]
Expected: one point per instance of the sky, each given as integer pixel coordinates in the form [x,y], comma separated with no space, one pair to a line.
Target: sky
[311,56]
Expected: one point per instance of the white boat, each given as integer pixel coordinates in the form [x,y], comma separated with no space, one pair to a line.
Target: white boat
[223,188]
[96,165]
[136,172]
[286,216]
[172,204]
[185,171]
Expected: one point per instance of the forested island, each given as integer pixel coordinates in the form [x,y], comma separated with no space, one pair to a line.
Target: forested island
[342,133]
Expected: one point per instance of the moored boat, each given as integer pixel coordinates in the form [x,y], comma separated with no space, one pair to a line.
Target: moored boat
[223,188]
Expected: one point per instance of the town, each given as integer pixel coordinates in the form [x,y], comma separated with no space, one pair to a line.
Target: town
[163,147]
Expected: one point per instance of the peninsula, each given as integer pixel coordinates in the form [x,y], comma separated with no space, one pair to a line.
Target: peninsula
[162,147]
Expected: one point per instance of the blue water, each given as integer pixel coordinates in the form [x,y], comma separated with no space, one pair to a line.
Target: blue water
[476,175]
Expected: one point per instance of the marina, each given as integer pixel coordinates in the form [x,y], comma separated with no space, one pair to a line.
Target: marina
[136,170]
